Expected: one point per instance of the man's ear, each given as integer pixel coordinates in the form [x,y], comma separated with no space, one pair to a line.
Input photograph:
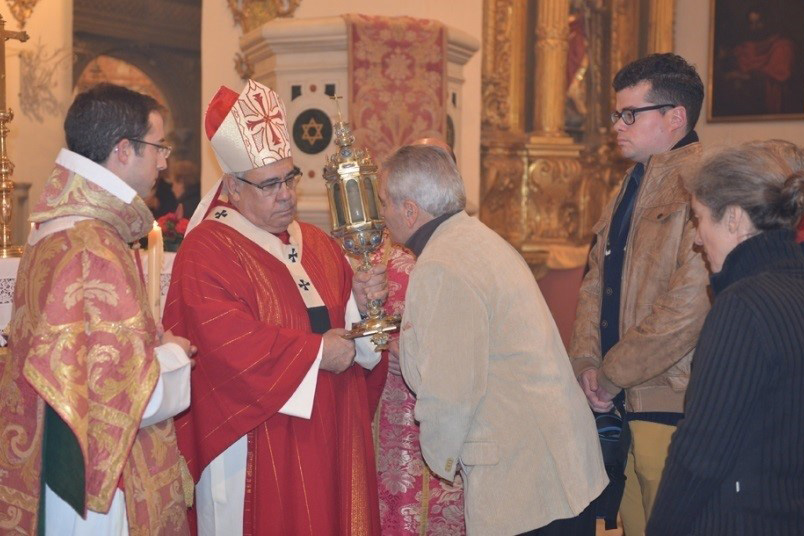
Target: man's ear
[410,212]
[232,187]
[119,158]
[678,117]
[123,151]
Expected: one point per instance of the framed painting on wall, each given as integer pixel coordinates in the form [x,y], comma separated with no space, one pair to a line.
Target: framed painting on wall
[756,60]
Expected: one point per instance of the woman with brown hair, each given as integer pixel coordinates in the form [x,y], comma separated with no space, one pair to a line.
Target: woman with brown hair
[735,464]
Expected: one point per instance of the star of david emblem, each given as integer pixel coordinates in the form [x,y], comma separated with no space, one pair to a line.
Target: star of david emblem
[304,285]
[221,214]
[292,255]
[312,131]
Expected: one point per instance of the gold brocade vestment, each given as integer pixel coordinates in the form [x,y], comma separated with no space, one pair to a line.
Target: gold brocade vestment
[82,342]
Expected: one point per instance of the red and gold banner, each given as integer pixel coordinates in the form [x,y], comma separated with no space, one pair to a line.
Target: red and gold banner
[397,81]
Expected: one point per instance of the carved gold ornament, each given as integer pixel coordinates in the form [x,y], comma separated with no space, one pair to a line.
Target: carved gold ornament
[21,10]
[250,14]
[244,68]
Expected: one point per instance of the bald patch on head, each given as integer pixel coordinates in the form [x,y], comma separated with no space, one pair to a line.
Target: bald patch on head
[436,142]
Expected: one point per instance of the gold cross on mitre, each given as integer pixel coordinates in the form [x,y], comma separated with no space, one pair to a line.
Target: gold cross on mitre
[6,35]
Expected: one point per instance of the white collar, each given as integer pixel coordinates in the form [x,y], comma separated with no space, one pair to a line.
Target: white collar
[96,174]
[266,240]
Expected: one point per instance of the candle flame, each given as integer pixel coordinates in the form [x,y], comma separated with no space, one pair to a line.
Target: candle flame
[156,226]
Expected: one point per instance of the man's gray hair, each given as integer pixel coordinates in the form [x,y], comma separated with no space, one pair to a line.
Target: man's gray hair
[426,175]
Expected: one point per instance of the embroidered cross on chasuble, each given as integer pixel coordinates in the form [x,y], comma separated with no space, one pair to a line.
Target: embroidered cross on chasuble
[316,311]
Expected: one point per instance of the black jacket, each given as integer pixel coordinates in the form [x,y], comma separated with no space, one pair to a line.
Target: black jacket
[736,462]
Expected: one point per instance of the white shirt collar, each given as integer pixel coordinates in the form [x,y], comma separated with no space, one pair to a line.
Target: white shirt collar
[96,174]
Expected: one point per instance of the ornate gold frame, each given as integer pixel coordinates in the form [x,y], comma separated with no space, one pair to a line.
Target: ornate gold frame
[541,189]
[710,86]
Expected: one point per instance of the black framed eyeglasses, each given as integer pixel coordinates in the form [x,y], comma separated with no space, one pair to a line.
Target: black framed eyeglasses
[271,187]
[164,150]
[629,114]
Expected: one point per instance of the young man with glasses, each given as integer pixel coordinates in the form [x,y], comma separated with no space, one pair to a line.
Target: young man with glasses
[643,300]
[94,381]
[278,436]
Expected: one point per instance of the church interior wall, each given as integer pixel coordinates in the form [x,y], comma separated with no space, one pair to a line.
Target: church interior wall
[39,103]
[50,28]
[219,43]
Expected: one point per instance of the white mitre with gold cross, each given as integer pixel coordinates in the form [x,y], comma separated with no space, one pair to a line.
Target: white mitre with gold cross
[249,130]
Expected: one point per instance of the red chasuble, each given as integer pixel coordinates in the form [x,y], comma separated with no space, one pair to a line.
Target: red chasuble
[241,308]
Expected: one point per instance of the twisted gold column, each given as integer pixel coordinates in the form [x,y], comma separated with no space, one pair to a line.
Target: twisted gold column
[552,31]
[660,33]
[504,67]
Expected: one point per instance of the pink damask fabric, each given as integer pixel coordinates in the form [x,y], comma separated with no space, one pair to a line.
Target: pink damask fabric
[412,501]
[397,81]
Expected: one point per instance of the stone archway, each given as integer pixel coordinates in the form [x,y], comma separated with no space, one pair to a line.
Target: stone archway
[153,46]
[116,71]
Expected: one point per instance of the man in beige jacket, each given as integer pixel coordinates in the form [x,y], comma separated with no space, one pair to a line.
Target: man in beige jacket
[496,396]
[643,301]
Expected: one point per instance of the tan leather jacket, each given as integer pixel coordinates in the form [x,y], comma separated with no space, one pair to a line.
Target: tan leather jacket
[664,298]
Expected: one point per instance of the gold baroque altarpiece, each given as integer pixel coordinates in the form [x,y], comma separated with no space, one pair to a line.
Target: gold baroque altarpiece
[251,14]
[548,159]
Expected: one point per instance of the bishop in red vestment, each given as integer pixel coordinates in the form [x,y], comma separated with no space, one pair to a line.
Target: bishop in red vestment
[278,433]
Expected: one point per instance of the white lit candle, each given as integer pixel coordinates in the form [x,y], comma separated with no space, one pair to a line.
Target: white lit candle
[156,252]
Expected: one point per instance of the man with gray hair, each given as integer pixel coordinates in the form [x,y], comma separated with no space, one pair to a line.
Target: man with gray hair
[496,396]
